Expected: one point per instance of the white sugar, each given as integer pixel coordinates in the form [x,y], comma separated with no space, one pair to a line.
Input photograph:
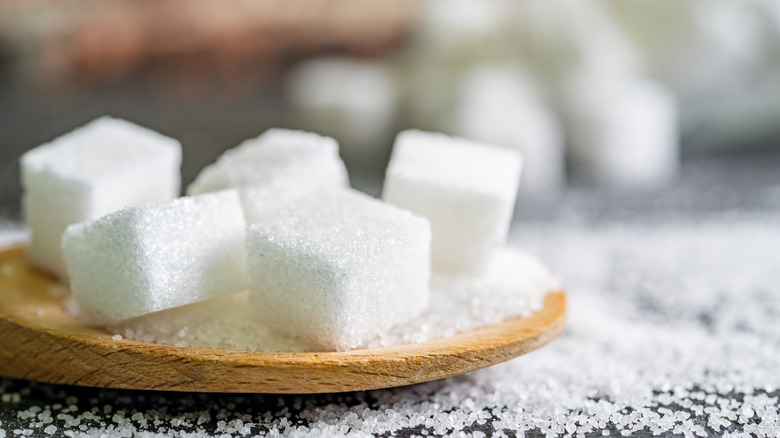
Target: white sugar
[497,105]
[466,189]
[515,285]
[157,256]
[227,323]
[350,99]
[624,129]
[646,350]
[327,267]
[273,169]
[94,170]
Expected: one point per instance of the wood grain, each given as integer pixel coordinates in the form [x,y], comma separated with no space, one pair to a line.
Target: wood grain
[40,342]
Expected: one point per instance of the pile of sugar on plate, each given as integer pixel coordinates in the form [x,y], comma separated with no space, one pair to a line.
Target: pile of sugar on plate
[646,352]
[271,250]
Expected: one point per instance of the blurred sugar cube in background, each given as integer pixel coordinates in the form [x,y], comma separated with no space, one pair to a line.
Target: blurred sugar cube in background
[350,99]
[339,269]
[623,130]
[497,105]
[608,94]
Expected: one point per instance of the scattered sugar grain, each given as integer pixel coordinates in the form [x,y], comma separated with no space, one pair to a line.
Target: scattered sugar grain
[117,337]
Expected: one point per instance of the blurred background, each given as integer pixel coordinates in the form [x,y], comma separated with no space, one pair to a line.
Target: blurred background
[628,106]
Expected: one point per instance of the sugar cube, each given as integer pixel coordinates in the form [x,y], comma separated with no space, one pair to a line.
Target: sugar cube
[624,130]
[279,166]
[340,268]
[157,256]
[496,104]
[94,170]
[351,99]
[466,189]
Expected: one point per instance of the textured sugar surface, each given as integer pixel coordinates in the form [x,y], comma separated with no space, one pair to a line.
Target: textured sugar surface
[98,149]
[466,189]
[157,256]
[673,329]
[458,304]
[455,164]
[324,268]
[94,170]
[274,168]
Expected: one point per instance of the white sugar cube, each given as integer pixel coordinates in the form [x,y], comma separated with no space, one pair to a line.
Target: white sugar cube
[466,189]
[340,268]
[351,99]
[94,170]
[623,130]
[498,105]
[157,256]
[277,167]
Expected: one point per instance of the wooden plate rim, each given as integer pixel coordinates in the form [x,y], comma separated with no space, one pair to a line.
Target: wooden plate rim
[90,357]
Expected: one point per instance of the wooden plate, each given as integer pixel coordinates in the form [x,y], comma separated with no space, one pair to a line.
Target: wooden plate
[39,342]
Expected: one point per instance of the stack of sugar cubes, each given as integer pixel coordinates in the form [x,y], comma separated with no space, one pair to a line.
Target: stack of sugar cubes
[322,262]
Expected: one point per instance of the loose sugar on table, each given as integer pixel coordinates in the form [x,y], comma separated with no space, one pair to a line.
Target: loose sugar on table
[94,170]
[157,256]
[277,167]
[339,268]
[466,189]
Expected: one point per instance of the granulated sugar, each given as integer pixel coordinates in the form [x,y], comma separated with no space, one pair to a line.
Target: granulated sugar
[673,329]
[515,286]
[227,323]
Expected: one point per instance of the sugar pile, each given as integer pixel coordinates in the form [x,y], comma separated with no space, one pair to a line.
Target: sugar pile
[674,329]
[461,304]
